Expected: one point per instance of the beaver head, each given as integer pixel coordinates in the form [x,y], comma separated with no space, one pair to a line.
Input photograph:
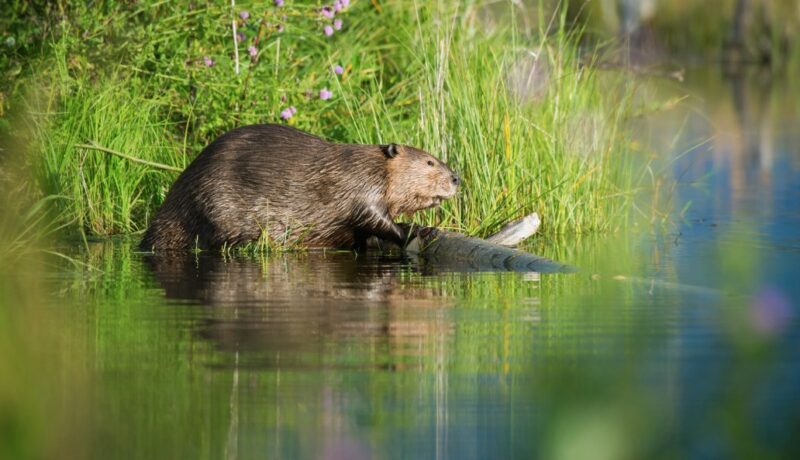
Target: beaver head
[416,180]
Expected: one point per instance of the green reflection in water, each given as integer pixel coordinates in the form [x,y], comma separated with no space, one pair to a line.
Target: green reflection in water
[314,355]
[293,355]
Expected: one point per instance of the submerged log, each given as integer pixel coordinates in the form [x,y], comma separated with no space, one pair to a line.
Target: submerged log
[455,251]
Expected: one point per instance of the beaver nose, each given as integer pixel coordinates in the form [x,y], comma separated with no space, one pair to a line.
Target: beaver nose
[456,179]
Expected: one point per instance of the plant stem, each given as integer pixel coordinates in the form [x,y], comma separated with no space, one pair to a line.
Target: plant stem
[235,44]
[153,164]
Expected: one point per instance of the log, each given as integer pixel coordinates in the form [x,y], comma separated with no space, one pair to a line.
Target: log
[455,251]
[517,231]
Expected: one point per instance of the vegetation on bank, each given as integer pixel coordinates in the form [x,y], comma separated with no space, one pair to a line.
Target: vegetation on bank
[516,112]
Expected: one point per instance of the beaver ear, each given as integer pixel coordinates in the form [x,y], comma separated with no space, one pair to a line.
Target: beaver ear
[390,150]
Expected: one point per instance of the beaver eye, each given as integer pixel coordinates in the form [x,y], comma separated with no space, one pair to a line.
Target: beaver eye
[430,163]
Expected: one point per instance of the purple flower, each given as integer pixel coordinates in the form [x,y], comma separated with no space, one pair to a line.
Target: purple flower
[338,70]
[244,14]
[337,6]
[293,109]
[772,311]
[328,30]
[327,11]
[278,3]
[345,3]
[240,36]
[208,61]
[337,24]
[324,94]
[252,50]
[287,113]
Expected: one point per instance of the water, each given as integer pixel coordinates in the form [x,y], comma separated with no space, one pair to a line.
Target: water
[673,340]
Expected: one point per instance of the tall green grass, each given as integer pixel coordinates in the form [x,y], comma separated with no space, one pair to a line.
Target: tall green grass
[98,192]
[554,145]
[529,128]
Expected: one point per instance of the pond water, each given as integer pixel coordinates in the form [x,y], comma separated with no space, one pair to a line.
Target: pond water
[674,340]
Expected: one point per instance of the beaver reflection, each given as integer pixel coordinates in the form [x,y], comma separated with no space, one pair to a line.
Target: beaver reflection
[308,302]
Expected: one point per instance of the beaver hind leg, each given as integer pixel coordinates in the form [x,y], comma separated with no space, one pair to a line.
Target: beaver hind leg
[167,233]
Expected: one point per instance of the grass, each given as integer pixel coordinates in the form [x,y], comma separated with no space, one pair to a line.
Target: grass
[528,127]
[560,154]
[103,194]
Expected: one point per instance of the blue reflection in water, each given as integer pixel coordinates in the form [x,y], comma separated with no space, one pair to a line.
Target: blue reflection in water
[740,371]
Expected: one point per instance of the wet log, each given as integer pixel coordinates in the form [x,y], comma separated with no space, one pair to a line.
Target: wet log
[457,252]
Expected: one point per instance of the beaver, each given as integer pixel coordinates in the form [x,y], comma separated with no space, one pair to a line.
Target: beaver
[296,188]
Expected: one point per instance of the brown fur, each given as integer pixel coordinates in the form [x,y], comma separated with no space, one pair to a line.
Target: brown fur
[297,188]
